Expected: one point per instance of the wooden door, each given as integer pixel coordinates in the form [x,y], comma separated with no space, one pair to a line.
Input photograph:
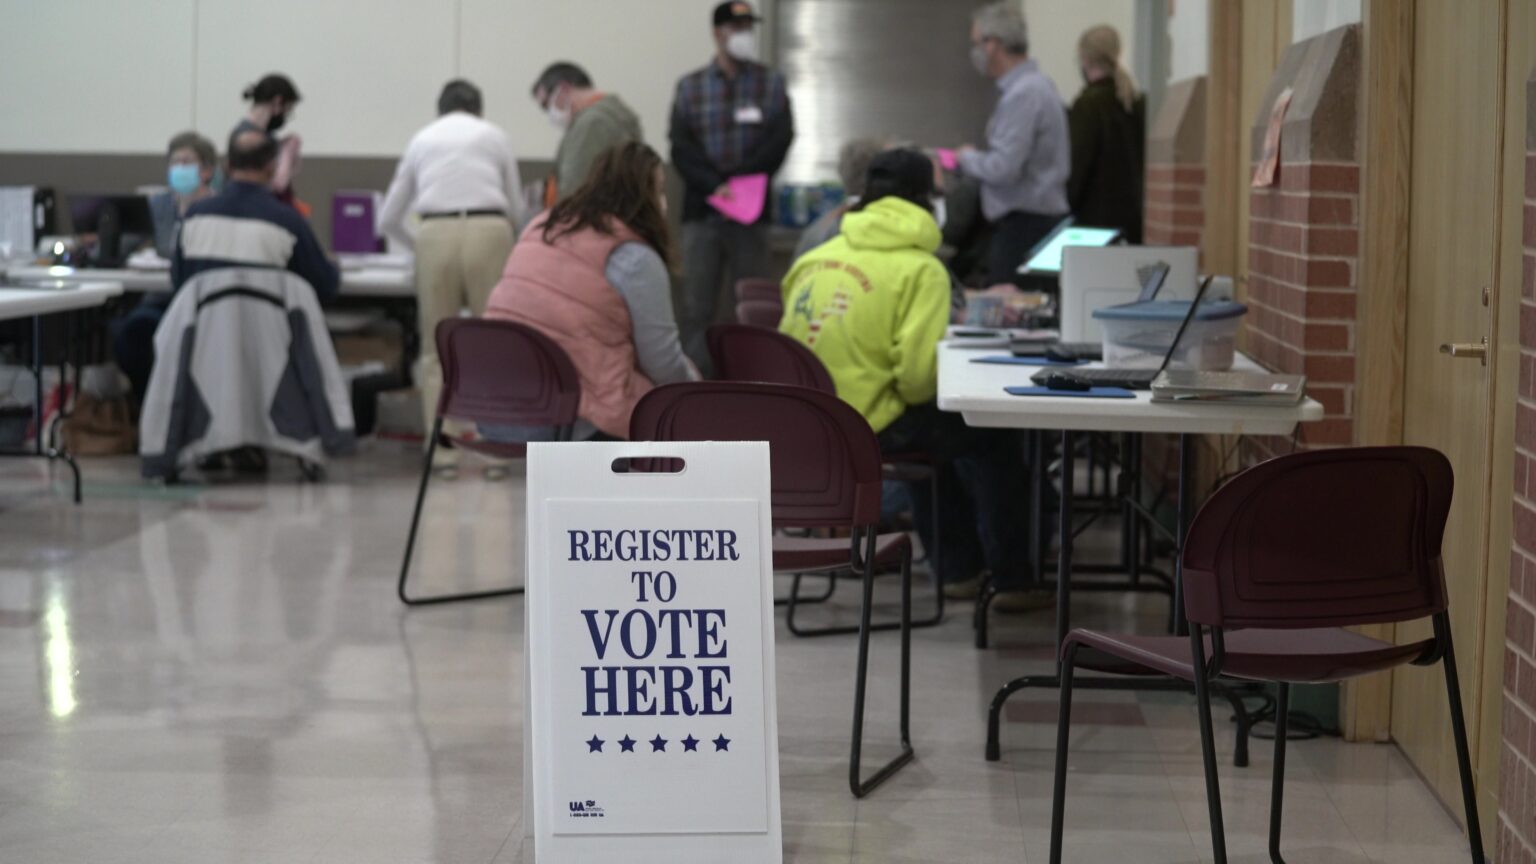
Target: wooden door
[1460,291]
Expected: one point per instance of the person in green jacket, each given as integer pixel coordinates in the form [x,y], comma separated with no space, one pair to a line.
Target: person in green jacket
[592,122]
[873,303]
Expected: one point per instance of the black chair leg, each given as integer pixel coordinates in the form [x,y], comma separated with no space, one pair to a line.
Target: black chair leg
[1208,749]
[1463,754]
[410,540]
[1277,793]
[934,619]
[794,598]
[856,784]
[1063,733]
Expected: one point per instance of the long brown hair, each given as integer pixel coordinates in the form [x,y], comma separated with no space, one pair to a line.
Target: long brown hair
[620,187]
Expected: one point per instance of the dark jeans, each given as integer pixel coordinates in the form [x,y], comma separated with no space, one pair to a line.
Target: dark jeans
[983,489]
[715,252]
[1012,238]
[133,341]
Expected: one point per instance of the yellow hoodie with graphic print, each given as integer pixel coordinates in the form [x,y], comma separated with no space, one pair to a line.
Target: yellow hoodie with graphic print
[873,303]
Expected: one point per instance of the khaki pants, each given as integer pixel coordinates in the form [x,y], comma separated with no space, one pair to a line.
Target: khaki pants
[458,262]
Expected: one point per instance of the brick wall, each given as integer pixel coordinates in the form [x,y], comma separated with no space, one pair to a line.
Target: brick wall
[1175,204]
[1303,245]
[1517,782]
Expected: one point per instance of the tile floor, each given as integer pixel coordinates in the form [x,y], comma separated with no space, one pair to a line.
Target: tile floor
[223,673]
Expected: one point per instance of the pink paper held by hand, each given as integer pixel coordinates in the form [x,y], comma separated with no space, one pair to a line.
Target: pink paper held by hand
[947,158]
[748,195]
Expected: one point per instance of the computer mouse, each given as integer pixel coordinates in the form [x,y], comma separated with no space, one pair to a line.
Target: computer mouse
[1058,354]
[1063,381]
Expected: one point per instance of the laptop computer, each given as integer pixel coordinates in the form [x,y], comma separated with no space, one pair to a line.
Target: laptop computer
[1132,379]
[1252,388]
[1152,278]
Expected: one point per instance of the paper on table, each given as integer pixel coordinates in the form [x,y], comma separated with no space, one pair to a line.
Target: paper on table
[748,195]
[948,160]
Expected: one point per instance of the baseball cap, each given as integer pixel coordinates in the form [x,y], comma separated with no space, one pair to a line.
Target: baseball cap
[734,11]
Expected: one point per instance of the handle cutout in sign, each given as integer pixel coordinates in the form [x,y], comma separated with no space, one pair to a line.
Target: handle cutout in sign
[649,465]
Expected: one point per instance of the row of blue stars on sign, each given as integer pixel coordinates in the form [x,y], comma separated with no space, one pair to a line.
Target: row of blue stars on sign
[658,744]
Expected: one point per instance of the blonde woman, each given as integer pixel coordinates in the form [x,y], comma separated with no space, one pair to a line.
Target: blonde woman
[1108,128]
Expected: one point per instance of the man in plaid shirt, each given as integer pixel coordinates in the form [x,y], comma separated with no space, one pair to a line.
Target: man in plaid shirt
[730,118]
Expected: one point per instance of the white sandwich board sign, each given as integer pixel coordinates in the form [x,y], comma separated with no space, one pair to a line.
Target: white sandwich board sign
[651,699]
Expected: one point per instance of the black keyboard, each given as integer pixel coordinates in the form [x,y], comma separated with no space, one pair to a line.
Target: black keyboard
[1074,350]
[1130,379]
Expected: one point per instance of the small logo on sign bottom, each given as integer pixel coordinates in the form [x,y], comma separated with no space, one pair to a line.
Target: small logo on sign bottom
[586,810]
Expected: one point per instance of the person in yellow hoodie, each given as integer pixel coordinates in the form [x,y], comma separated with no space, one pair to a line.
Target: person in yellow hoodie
[873,303]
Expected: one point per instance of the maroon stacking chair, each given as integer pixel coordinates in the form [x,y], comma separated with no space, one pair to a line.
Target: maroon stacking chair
[825,474]
[762,314]
[759,303]
[1277,563]
[753,288]
[742,353]
[495,373]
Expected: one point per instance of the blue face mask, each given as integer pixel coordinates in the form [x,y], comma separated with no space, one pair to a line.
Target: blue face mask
[184,179]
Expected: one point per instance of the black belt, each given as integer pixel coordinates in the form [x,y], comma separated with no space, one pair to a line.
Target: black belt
[463,214]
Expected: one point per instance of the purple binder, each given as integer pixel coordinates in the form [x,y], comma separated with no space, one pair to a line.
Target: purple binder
[352,222]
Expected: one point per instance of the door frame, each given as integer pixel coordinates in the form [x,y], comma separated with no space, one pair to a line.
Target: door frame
[1365,705]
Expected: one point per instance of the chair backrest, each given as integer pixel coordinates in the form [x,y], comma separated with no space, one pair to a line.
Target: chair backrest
[765,314]
[1324,539]
[504,373]
[753,288]
[825,459]
[742,353]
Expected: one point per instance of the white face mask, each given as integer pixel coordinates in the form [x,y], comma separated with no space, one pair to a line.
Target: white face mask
[979,59]
[742,45]
[940,211]
[559,117]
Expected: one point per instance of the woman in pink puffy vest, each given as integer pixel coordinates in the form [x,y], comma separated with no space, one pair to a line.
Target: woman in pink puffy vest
[593,275]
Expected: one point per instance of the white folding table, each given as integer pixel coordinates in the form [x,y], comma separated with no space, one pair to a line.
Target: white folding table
[370,281]
[36,303]
[977,392]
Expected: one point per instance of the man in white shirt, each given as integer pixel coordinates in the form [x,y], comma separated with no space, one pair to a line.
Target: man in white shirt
[459,177]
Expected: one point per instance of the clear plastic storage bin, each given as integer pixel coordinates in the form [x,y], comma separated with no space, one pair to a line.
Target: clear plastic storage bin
[1137,335]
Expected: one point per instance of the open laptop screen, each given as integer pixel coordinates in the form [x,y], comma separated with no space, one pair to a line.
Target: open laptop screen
[1046,256]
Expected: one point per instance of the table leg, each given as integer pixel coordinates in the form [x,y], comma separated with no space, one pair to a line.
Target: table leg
[41,447]
[1064,609]
[1176,622]
[1064,547]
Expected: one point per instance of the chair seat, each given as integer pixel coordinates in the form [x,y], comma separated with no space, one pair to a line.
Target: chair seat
[1296,656]
[495,449]
[817,555]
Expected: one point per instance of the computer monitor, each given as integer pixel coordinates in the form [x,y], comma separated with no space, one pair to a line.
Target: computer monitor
[109,217]
[1046,256]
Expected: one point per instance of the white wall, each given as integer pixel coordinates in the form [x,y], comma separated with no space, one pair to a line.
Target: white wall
[1189,39]
[1054,28]
[108,76]
[71,84]
[1314,17]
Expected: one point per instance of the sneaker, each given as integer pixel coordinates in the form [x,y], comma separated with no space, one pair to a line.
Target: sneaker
[965,589]
[1024,602]
[495,473]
